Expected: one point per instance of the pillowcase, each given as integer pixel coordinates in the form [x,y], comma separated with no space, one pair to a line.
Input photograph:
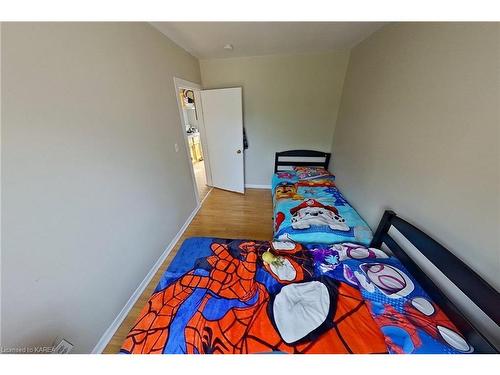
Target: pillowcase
[307,173]
[289,174]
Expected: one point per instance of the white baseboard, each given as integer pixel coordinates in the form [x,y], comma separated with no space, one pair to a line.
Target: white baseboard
[253,186]
[106,337]
[206,196]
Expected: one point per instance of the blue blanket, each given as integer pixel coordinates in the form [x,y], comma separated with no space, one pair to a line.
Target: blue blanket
[410,321]
[313,210]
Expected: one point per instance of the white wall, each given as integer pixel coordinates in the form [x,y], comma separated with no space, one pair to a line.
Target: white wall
[418,132]
[92,189]
[289,102]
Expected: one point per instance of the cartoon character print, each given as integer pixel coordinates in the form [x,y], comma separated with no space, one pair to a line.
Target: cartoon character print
[285,175]
[403,320]
[287,190]
[309,192]
[311,212]
[254,321]
[427,316]
[229,278]
[335,193]
[317,182]
[327,259]
[349,250]
[402,329]
[305,173]
[396,325]
[287,262]
[278,220]
[389,280]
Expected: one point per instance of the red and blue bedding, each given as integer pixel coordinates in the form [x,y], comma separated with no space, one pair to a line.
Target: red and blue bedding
[236,296]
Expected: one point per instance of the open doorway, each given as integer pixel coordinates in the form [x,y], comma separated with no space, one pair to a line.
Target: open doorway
[192,127]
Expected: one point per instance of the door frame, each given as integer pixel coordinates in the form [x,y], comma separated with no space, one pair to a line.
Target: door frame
[179,84]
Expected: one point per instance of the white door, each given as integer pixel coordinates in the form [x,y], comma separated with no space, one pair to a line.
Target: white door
[223,118]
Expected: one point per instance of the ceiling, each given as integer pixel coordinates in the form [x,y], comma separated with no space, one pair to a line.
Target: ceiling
[206,40]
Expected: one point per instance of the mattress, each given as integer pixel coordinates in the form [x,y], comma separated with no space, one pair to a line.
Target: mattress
[222,296]
[313,210]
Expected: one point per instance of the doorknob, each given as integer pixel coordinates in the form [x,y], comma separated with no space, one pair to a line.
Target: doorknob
[238,152]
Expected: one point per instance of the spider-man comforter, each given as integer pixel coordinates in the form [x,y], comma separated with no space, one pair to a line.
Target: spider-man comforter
[235,296]
[313,210]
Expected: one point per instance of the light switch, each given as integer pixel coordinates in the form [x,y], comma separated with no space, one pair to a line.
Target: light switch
[176,147]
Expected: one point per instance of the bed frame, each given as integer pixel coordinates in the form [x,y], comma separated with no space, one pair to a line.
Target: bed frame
[483,295]
[301,158]
[422,252]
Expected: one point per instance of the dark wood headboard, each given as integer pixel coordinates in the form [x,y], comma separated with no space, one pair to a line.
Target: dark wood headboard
[457,274]
[302,158]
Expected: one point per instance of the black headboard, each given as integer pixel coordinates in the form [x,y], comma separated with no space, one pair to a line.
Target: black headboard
[458,273]
[305,158]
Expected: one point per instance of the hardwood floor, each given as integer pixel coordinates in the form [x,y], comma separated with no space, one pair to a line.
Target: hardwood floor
[224,215]
[201,179]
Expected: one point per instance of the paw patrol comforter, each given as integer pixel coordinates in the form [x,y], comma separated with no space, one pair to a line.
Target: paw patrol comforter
[237,296]
[312,210]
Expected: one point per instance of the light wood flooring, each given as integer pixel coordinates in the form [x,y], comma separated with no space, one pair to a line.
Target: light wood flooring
[224,215]
[201,179]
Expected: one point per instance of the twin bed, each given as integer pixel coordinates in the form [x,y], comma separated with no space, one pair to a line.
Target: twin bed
[322,285]
[308,207]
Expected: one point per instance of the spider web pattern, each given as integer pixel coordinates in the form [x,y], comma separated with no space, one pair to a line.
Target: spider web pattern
[229,278]
[246,328]
[226,335]
[249,330]
[151,329]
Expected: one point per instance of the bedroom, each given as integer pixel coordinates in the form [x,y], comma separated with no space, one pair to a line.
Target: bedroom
[99,192]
